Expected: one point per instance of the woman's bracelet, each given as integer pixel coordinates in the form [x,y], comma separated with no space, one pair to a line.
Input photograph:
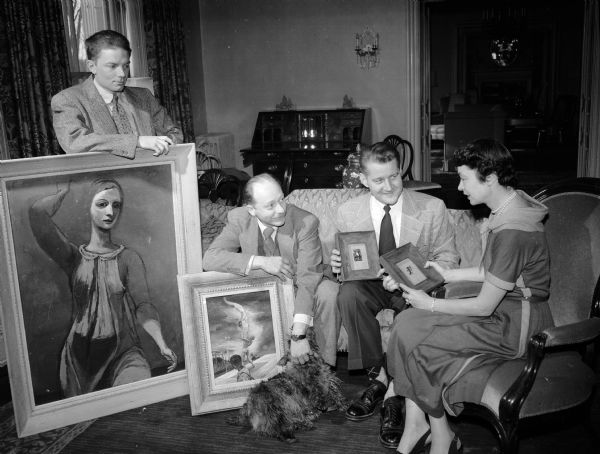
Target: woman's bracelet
[433,305]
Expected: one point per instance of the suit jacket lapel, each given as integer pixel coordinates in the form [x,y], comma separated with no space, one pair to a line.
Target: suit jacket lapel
[140,112]
[363,214]
[285,239]
[98,108]
[410,230]
[249,237]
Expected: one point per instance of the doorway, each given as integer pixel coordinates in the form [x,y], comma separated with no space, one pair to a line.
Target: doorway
[509,71]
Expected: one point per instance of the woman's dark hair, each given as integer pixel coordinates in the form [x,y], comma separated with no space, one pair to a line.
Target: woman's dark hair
[105,39]
[488,156]
[381,152]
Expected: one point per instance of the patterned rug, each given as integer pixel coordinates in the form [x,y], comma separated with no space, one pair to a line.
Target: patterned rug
[50,442]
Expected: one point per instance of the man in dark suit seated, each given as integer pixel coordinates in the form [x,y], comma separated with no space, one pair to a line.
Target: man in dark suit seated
[398,216]
[102,114]
[267,235]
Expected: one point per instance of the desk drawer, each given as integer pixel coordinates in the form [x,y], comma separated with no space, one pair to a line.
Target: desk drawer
[273,166]
[316,181]
[307,167]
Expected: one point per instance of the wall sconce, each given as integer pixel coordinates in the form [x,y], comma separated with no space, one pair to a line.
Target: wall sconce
[367,49]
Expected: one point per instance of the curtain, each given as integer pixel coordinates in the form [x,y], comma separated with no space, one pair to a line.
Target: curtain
[167,62]
[33,67]
[589,132]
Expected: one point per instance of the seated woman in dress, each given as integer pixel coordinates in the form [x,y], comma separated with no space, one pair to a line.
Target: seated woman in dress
[437,340]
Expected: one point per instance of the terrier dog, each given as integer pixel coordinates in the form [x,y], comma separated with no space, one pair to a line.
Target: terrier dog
[292,400]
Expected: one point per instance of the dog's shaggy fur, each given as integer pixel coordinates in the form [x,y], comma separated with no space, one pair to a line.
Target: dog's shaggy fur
[292,399]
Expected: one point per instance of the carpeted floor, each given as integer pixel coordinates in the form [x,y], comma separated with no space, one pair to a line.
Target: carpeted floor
[168,427]
[50,442]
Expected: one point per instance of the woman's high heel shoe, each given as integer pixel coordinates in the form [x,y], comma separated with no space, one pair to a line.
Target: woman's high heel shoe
[456,446]
[422,442]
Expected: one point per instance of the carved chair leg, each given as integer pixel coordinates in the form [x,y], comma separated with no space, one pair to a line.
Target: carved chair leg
[509,440]
[506,430]
[588,423]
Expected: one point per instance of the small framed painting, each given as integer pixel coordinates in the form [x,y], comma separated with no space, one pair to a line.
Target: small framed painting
[234,334]
[407,266]
[360,259]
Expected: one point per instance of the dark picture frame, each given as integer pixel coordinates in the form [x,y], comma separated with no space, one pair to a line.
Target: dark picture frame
[226,317]
[158,227]
[359,254]
[407,266]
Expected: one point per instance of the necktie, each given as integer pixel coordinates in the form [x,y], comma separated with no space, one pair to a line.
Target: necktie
[120,117]
[269,244]
[386,233]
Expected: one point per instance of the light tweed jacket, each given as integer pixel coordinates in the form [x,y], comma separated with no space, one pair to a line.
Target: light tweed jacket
[425,223]
[82,121]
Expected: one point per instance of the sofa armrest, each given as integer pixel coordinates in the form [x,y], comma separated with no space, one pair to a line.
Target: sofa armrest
[460,289]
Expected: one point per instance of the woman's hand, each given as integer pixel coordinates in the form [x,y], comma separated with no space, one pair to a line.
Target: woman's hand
[416,298]
[442,271]
[388,281]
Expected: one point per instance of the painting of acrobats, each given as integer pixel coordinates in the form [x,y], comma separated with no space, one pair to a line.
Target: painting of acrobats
[242,339]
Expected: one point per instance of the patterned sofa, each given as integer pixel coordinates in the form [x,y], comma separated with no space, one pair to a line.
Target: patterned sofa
[323,204]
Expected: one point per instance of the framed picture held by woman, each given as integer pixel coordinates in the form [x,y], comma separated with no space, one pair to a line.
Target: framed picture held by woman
[90,253]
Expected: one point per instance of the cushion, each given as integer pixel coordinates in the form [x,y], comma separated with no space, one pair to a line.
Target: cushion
[323,203]
[563,381]
[213,217]
[467,230]
[573,234]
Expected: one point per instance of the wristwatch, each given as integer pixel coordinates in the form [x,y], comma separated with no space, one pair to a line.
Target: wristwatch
[297,337]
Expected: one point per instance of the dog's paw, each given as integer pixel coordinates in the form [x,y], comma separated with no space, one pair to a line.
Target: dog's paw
[234,420]
[287,437]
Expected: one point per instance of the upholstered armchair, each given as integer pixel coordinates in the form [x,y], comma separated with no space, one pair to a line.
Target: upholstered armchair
[553,376]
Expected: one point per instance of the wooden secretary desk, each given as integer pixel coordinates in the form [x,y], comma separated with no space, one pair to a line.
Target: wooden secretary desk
[307,148]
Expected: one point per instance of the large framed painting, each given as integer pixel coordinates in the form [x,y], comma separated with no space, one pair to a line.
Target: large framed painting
[235,335]
[91,248]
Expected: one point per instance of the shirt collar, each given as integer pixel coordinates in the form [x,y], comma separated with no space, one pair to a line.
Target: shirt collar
[107,95]
[262,227]
[398,205]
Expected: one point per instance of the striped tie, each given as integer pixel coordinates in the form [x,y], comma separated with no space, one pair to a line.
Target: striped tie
[120,117]
[269,245]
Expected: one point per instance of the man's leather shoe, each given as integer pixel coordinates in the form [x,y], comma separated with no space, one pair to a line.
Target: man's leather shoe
[392,425]
[365,406]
